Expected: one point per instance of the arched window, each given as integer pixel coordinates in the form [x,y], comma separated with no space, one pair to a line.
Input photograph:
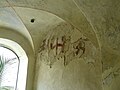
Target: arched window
[13,66]
[9,68]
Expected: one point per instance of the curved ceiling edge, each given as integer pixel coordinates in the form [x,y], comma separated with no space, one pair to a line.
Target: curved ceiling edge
[9,19]
[88,21]
[86,24]
[11,34]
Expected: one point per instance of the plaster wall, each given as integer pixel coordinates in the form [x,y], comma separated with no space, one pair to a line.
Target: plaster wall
[77,72]
[76,76]
[97,20]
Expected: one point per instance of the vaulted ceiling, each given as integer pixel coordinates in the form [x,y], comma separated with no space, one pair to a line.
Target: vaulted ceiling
[98,20]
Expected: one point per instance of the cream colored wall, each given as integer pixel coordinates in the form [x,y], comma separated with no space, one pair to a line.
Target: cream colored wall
[98,20]
[78,75]
[82,73]
[111,78]
[104,16]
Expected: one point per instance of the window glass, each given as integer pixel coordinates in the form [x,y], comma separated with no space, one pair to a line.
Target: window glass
[9,69]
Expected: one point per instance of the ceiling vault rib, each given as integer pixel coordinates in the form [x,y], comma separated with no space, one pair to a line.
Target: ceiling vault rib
[88,22]
[15,12]
[20,20]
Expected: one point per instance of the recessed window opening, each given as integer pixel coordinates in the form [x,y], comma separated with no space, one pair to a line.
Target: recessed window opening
[9,69]
[13,66]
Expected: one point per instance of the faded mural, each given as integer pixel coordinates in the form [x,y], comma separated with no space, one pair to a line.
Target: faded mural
[67,43]
[67,55]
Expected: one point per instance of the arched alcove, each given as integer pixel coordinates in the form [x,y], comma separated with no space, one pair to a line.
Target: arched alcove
[10,34]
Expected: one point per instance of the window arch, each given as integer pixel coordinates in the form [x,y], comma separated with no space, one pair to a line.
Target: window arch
[9,68]
[15,70]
